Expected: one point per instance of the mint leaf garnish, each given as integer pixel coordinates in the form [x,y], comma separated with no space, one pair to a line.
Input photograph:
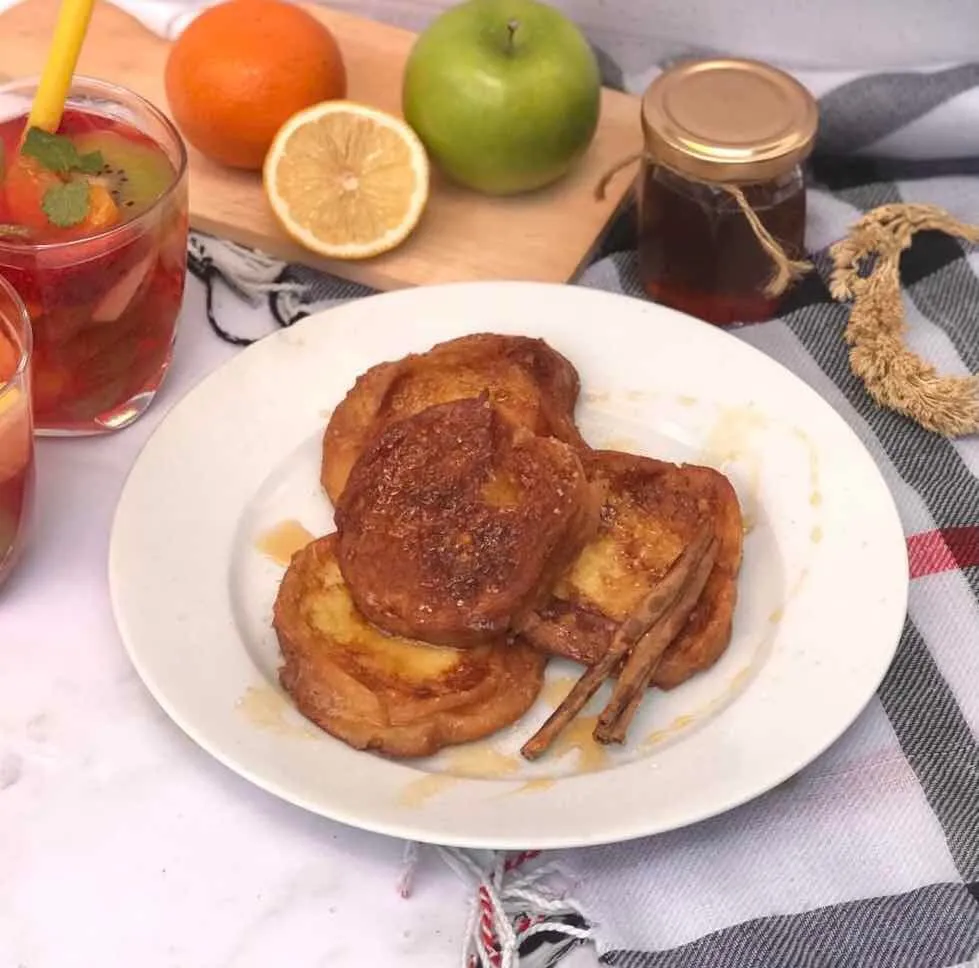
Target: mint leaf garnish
[58,154]
[90,163]
[53,151]
[66,204]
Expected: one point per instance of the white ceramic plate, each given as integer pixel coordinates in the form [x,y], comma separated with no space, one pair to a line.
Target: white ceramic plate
[822,596]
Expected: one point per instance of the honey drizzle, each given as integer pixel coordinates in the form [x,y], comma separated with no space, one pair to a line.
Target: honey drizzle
[419,791]
[283,540]
[555,691]
[536,785]
[578,736]
[269,710]
[480,762]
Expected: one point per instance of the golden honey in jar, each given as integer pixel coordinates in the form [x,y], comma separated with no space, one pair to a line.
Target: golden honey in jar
[722,200]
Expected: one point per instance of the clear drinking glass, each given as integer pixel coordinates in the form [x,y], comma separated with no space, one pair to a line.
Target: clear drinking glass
[104,305]
[16,430]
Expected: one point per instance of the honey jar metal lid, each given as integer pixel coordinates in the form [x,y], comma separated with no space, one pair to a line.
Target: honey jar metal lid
[728,120]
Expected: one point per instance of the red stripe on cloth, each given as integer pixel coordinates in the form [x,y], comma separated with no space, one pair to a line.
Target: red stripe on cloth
[932,552]
[512,863]
[487,931]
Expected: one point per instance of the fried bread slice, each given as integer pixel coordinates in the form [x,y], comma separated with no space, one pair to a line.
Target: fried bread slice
[393,695]
[455,522]
[531,382]
[651,512]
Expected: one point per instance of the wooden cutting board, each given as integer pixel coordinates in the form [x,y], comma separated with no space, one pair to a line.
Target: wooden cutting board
[545,236]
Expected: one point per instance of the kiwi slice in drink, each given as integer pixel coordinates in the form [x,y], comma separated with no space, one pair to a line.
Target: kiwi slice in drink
[135,172]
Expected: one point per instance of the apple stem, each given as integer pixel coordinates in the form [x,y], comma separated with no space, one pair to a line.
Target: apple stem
[511,26]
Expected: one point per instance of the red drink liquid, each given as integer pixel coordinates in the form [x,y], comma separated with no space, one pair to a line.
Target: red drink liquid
[104,294]
[16,446]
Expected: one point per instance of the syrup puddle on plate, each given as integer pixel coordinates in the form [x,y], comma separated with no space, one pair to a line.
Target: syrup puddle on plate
[283,540]
[577,735]
[269,710]
[419,791]
[677,726]
[478,761]
[537,784]
[555,691]
[815,495]
[474,761]
[730,447]
[685,722]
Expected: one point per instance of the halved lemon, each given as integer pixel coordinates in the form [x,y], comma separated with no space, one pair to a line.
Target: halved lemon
[347,180]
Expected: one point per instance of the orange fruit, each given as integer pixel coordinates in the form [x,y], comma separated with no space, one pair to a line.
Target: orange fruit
[241,69]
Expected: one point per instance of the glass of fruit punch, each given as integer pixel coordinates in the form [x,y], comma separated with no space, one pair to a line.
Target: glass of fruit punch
[16,437]
[93,236]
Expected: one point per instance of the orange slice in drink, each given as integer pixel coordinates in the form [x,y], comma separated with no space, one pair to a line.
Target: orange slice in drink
[15,432]
[9,358]
[346,180]
[25,184]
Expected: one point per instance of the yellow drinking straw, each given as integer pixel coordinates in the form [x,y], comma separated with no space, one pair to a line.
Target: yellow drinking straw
[69,33]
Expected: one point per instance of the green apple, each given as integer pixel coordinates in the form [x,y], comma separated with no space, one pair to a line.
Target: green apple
[504,94]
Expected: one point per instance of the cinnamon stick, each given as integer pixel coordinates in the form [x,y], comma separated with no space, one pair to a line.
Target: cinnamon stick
[617,732]
[650,611]
[613,722]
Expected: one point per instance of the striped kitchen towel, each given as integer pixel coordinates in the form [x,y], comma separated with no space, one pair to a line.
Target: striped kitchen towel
[870,856]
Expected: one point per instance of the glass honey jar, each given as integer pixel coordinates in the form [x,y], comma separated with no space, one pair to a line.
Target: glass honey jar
[722,202]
